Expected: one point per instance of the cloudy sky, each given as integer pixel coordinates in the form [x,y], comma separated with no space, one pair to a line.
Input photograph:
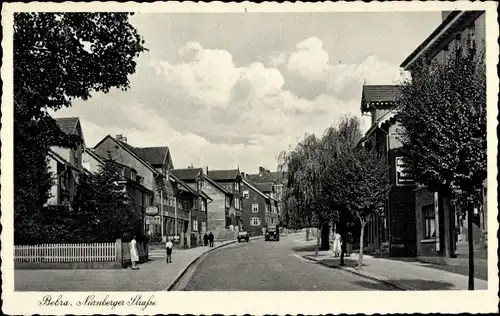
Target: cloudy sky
[230,89]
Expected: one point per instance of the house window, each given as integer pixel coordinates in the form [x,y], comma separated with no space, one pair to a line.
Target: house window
[195,225]
[237,186]
[255,208]
[228,202]
[246,194]
[267,208]
[237,204]
[255,221]
[133,175]
[429,223]
[203,226]
[202,205]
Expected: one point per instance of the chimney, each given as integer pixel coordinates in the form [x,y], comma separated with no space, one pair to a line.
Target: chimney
[121,138]
[206,170]
[261,170]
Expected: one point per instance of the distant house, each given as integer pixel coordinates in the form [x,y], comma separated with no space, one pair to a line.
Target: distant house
[220,204]
[231,181]
[272,183]
[65,163]
[192,199]
[257,208]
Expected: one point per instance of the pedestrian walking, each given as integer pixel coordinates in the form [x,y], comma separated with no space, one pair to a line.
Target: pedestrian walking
[169,247]
[211,239]
[336,244]
[134,255]
[349,241]
[205,239]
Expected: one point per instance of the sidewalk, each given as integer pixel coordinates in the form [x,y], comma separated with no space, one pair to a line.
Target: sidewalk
[154,275]
[405,275]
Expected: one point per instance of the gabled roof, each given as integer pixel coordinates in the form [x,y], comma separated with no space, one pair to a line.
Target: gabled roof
[68,124]
[264,177]
[187,187]
[154,155]
[254,187]
[265,186]
[453,22]
[189,175]
[131,150]
[224,175]
[378,94]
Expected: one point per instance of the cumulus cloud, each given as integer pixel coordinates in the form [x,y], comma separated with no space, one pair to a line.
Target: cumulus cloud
[210,111]
[311,63]
[310,60]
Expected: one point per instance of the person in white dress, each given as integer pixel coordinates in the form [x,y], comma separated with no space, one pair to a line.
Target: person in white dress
[134,256]
[337,244]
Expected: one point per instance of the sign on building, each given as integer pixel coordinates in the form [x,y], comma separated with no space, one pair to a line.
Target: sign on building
[402,178]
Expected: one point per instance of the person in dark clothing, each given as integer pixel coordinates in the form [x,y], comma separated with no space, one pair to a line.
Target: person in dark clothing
[205,239]
[211,239]
[349,242]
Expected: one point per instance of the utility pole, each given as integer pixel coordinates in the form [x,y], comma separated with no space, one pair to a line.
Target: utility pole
[161,217]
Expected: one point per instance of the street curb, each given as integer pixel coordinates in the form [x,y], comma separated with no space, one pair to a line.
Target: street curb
[183,271]
[366,275]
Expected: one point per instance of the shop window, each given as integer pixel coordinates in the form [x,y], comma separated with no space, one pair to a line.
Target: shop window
[429,222]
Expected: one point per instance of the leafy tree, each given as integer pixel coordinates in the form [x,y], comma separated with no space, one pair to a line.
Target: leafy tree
[359,182]
[443,118]
[106,206]
[59,57]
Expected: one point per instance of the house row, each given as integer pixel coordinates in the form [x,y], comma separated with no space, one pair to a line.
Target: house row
[171,202]
[418,222]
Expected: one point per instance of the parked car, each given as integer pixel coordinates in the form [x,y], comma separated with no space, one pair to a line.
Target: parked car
[243,236]
[272,232]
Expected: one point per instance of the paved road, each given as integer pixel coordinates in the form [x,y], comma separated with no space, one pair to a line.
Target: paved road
[269,266]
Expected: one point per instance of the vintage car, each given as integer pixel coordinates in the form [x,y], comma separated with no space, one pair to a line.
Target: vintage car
[272,233]
[243,236]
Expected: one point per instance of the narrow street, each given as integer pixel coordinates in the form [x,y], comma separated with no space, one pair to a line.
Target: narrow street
[269,266]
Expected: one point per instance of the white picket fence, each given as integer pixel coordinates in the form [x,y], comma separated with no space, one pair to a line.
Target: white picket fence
[95,252]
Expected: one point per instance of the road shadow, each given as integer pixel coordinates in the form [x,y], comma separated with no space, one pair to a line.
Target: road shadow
[335,263]
[375,286]
[424,285]
[304,248]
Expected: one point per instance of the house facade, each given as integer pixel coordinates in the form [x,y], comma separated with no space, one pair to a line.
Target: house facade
[394,231]
[231,181]
[146,175]
[440,232]
[218,198]
[277,181]
[65,163]
[256,207]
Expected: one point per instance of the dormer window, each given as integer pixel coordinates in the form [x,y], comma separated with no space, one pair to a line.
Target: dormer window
[237,186]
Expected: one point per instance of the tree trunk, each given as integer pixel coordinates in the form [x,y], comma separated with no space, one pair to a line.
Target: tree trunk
[317,241]
[325,237]
[361,245]
[471,246]
[307,234]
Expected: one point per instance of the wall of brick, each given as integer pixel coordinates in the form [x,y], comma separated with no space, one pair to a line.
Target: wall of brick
[247,214]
